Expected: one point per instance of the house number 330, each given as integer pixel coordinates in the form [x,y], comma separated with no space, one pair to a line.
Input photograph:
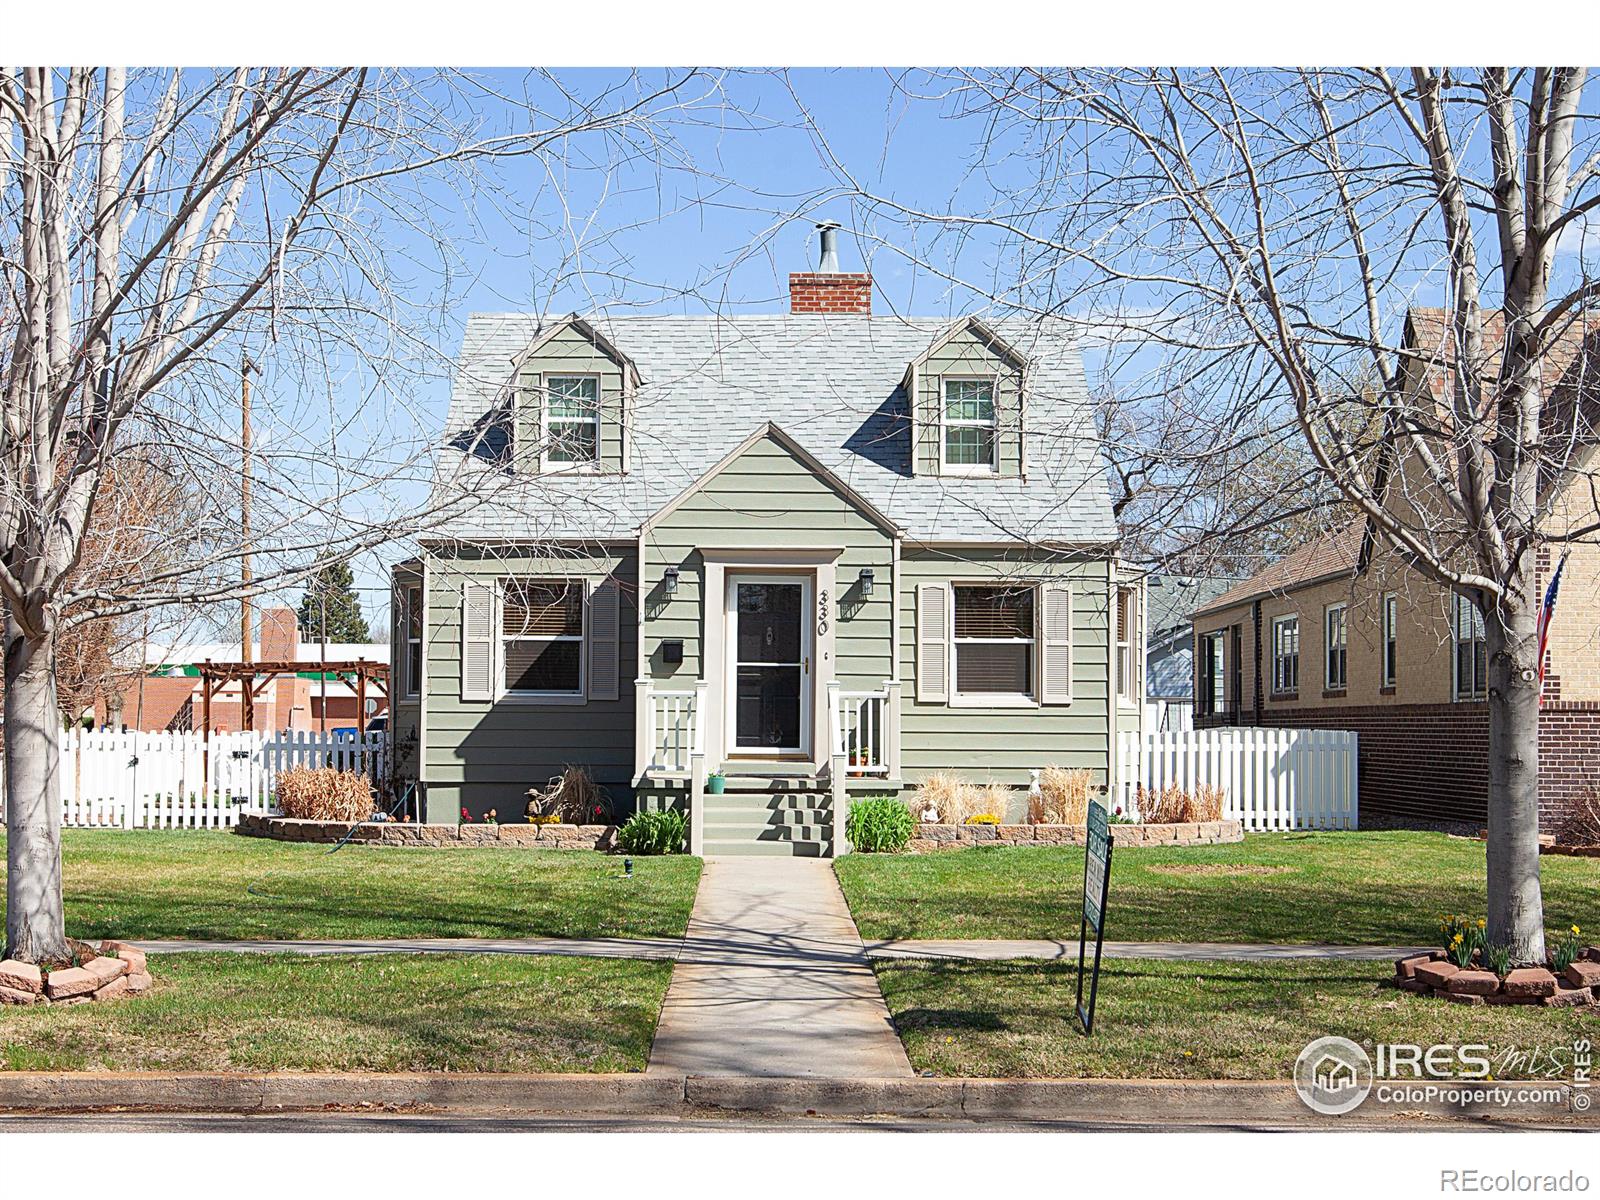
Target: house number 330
[822,612]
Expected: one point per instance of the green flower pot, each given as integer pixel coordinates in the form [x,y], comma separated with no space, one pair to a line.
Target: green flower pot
[715,784]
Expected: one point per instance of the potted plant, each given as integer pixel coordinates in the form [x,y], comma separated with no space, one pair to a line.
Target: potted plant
[716,782]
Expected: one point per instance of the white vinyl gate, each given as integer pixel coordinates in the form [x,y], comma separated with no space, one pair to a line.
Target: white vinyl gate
[1270,778]
[143,780]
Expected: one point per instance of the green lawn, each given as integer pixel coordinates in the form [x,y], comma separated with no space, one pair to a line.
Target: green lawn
[1185,1020]
[1379,887]
[195,884]
[279,1012]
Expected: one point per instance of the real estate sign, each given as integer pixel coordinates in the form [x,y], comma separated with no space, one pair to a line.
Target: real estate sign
[1096,882]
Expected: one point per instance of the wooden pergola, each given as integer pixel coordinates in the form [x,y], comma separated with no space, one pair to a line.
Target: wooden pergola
[253,678]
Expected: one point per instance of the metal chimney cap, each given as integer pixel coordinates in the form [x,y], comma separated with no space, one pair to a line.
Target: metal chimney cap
[829,261]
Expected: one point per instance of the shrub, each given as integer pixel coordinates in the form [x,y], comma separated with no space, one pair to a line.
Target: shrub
[1172,805]
[879,825]
[1582,824]
[989,800]
[939,793]
[654,833]
[572,797]
[1063,797]
[324,794]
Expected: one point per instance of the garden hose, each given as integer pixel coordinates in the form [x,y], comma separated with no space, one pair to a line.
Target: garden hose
[405,796]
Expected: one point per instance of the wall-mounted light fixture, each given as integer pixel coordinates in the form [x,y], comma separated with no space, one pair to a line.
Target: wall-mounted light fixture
[669,580]
[865,580]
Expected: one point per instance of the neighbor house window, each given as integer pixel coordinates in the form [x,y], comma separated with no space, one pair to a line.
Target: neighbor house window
[970,425]
[1285,655]
[994,640]
[1337,644]
[541,633]
[1127,665]
[1472,651]
[411,618]
[572,420]
[1391,622]
[1210,698]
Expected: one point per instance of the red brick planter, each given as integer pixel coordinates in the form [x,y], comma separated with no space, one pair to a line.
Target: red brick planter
[930,836]
[407,833]
[1433,974]
[116,969]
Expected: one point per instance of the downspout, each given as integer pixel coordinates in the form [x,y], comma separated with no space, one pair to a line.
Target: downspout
[1255,617]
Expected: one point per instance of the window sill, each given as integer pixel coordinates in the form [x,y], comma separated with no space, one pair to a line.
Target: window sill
[541,698]
[1284,696]
[1333,693]
[971,472]
[998,700]
[1386,690]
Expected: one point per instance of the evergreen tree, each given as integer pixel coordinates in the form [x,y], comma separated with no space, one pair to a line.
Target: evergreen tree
[331,596]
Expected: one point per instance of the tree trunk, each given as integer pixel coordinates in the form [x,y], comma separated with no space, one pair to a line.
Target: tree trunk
[35,927]
[1516,905]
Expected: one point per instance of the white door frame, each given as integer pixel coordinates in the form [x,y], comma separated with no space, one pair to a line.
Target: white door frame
[730,612]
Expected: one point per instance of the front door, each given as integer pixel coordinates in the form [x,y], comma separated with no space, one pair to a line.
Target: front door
[769,627]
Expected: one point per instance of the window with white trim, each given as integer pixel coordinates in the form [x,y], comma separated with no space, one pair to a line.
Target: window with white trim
[1391,646]
[1336,643]
[1127,665]
[970,426]
[994,640]
[572,420]
[411,624]
[1285,655]
[1471,651]
[1210,698]
[541,637]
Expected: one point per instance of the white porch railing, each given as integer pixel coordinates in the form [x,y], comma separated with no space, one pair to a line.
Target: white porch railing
[670,728]
[865,728]
[1270,778]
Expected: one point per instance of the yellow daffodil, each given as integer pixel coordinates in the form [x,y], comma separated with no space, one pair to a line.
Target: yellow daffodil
[1481,922]
[1576,931]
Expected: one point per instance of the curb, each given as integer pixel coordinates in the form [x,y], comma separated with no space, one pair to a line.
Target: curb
[1097,1101]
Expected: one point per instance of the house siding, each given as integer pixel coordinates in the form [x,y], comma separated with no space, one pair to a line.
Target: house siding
[569,352]
[481,755]
[967,354]
[1005,744]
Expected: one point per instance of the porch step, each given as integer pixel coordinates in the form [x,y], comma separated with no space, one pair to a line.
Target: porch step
[797,824]
[774,849]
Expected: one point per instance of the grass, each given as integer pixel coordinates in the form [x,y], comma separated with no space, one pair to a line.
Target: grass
[275,1012]
[1187,1020]
[193,884]
[1351,888]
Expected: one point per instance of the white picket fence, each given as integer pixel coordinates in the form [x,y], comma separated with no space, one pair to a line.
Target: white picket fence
[1270,778]
[142,780]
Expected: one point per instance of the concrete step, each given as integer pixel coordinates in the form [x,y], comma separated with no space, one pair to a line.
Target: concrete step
[724,815]
[726,831]
[741,846]
[757,802]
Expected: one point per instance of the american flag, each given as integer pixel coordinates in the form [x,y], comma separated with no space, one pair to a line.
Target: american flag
[1546,613]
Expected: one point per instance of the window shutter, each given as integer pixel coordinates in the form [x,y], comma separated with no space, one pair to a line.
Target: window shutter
[1055,673]
[602,631]
[477,641]
[933,642]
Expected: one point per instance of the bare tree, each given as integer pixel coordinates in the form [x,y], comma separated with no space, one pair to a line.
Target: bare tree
[1251,241]
[158,227]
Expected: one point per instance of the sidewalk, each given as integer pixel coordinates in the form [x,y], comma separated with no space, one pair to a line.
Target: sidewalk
[773,980]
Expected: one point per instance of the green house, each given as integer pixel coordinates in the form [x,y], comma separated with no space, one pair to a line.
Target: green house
[821,554]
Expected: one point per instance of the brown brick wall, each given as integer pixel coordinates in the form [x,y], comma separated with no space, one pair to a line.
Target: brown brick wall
[830,295]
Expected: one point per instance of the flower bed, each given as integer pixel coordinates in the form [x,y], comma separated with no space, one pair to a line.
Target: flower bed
[1433,974]
[112,970]
[545,836]
[930,836]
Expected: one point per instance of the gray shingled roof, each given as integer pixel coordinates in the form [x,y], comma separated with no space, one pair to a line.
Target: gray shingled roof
[832,383]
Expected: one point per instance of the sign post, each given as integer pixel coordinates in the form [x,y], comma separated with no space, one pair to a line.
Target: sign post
[1096,883]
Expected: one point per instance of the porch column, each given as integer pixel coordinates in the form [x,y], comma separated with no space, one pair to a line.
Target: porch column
[697,772]
[837,768]
[891,728]
[643,733]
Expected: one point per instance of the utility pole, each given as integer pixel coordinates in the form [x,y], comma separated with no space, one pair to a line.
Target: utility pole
[247,689]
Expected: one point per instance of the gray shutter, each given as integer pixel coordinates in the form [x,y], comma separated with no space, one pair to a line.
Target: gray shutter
[603,633]
[933,642]
[1055,671]
[477,641]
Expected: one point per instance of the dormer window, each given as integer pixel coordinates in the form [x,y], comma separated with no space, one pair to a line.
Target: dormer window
[572,421]
[968,440]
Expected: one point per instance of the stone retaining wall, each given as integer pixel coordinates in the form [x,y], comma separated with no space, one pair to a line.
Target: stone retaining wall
[115,969]
[958,837]
[406,833]
[1432,974]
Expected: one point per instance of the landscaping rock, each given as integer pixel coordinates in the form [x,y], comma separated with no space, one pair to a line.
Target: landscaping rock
[1473,983]
[70,982]
[1015,833]
[138,983]
[1591,953]
[113,989]
[1464,998]
[1414,985]
[106,969]
[1584,974]
[1406,968]
[1569,995]
[131,955]
[1530,982]
[21,976]
[11,995]
[519,835]
[1436,974]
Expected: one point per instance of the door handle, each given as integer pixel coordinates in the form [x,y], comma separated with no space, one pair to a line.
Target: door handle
[808,664]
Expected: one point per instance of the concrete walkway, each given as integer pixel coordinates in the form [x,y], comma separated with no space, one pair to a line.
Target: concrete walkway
[714,948]
[773,980]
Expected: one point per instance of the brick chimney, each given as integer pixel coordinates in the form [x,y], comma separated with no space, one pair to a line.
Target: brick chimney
[280,635]
[828,290]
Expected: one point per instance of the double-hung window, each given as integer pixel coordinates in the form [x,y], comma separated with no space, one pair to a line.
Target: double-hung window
[1127,665]
[1472,651]
[970,424]
[994,640]
[572,420]
[1211,696]
[411,623]
[1336,642]
[1391,622]
[1285,655]
[541,636]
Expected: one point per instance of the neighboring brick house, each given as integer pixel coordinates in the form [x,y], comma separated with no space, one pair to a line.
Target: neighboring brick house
[1339,635]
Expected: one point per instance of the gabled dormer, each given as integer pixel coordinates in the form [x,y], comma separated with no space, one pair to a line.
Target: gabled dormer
[966,401]
[573,392]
